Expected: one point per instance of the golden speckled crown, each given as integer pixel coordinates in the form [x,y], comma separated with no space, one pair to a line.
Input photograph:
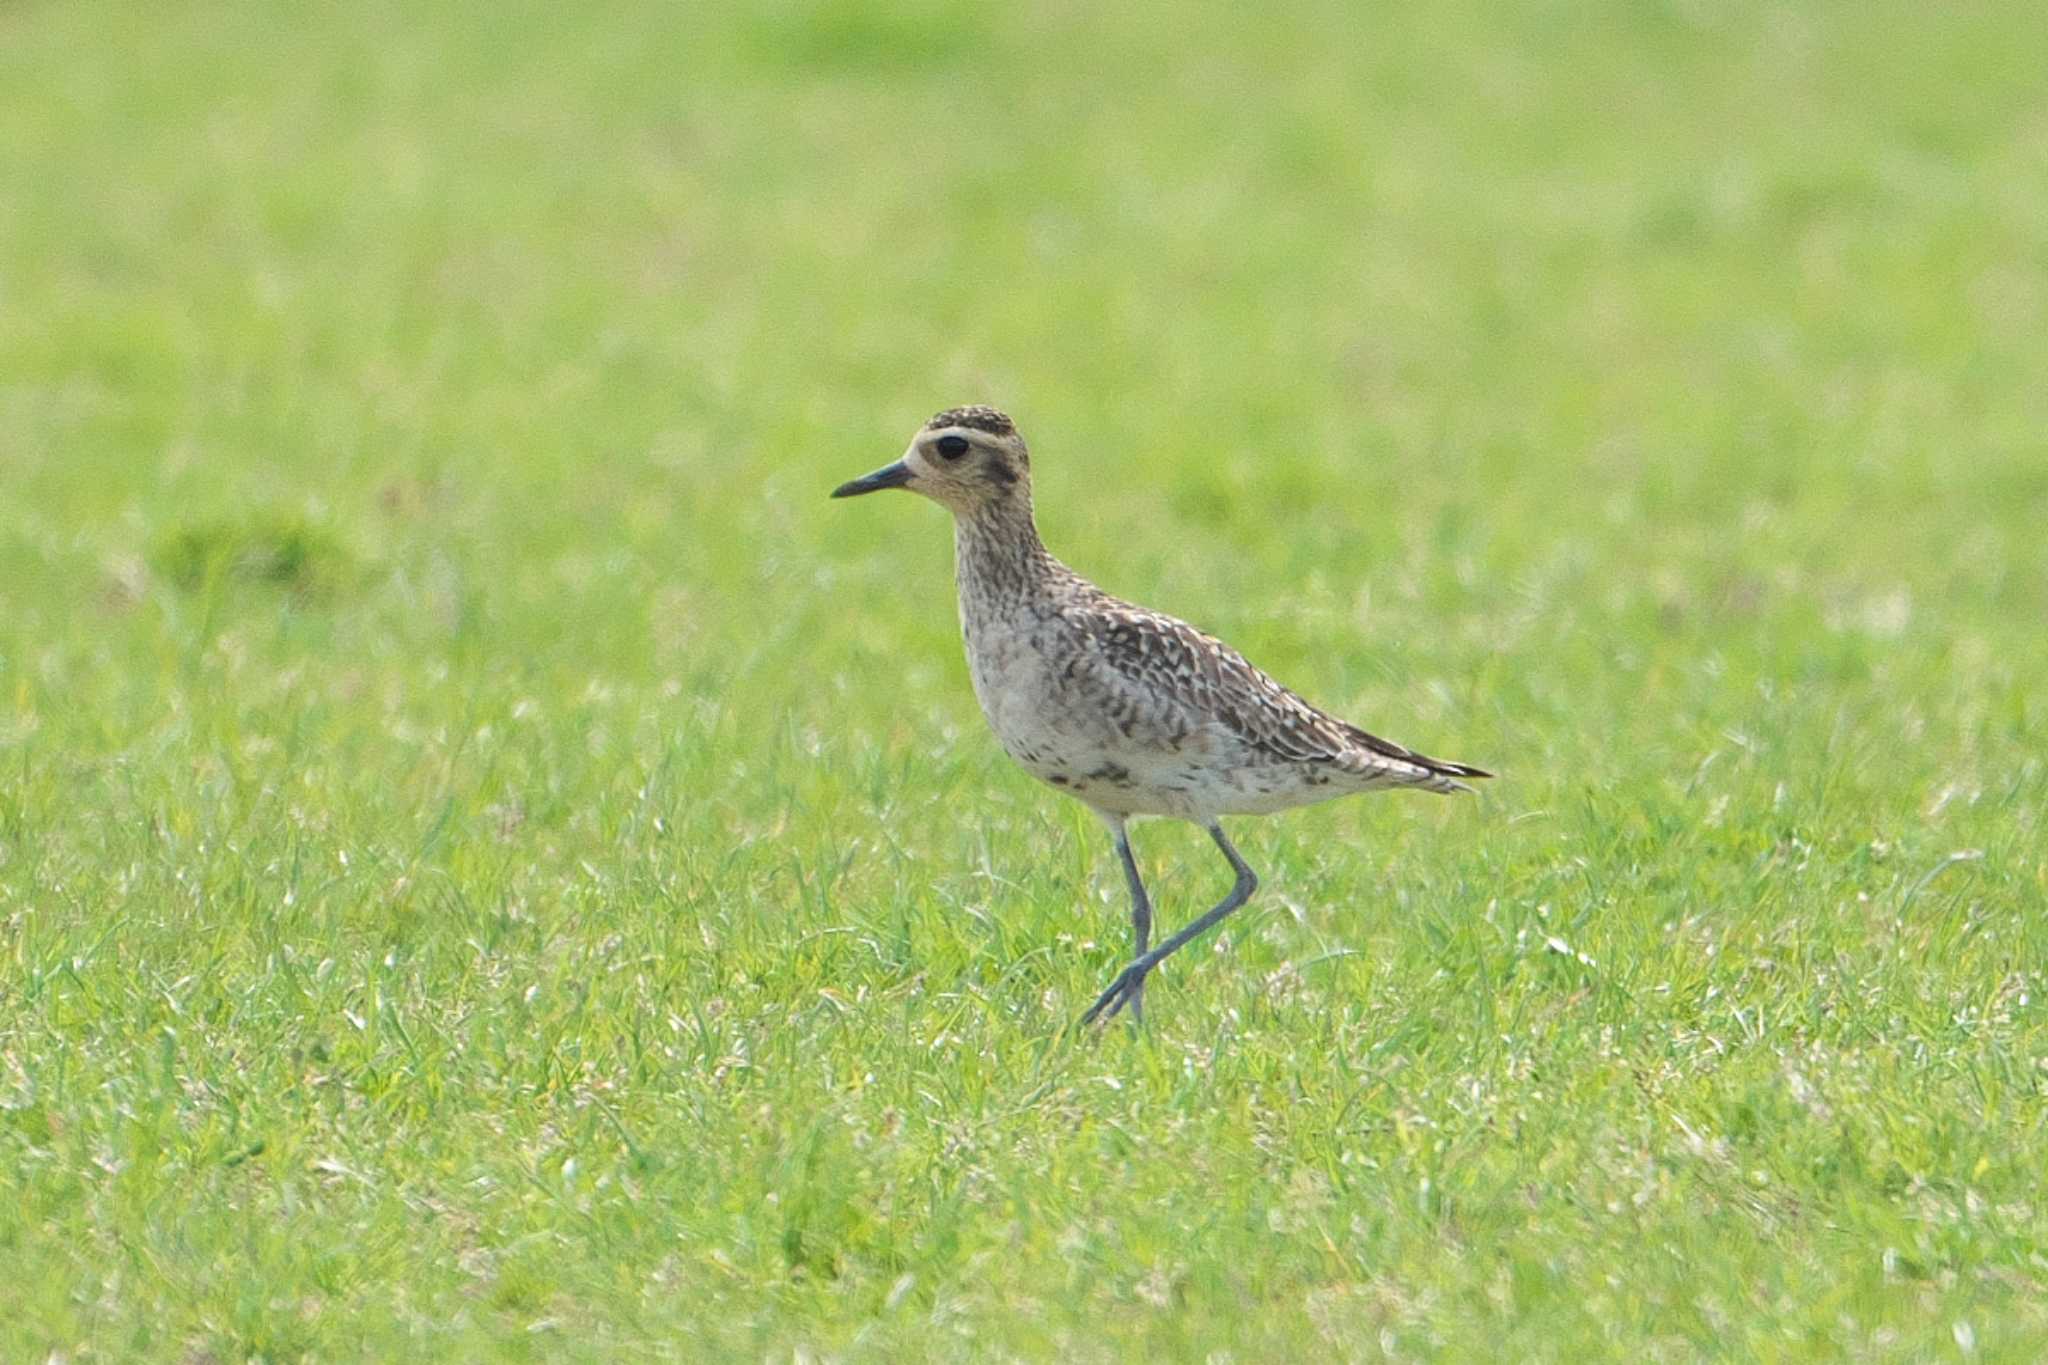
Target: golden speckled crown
[977,417]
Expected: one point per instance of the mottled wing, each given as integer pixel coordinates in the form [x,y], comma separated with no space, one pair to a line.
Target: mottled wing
[1159,658]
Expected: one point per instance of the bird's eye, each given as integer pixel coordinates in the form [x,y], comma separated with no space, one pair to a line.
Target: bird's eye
[951,447]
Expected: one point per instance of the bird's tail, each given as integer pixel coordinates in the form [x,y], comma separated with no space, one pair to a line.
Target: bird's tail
[1439,780]
[1433,774]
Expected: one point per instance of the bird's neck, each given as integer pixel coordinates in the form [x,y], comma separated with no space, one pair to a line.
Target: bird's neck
[1000,558]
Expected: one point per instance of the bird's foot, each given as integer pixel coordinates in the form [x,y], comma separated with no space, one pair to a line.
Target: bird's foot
[1127,989]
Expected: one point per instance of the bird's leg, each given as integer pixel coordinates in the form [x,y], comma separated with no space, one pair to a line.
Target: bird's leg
[1141,912]
[1129,985]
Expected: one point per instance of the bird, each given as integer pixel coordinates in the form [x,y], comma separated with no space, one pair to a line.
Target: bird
[1130,711]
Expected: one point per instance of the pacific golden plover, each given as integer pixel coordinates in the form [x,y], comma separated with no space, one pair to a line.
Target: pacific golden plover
[1127,710]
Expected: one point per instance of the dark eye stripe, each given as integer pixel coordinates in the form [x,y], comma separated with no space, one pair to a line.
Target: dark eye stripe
[952,447]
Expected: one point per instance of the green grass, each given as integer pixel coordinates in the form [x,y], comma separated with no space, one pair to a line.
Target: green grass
[494,865]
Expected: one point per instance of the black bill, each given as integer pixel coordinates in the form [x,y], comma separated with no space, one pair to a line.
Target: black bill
[888,476]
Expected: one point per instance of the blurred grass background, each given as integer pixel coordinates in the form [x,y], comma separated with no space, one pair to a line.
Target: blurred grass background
[493,864]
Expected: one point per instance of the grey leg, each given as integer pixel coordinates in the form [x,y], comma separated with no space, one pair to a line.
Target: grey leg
[1129,986]
[1141,910]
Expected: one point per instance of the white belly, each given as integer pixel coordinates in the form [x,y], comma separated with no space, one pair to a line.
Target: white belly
[1158,765]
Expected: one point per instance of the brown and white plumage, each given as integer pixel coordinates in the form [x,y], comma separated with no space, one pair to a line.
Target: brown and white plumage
[1198,688]
[1129,710]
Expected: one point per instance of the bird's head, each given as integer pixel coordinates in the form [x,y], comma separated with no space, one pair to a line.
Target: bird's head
[967,458]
